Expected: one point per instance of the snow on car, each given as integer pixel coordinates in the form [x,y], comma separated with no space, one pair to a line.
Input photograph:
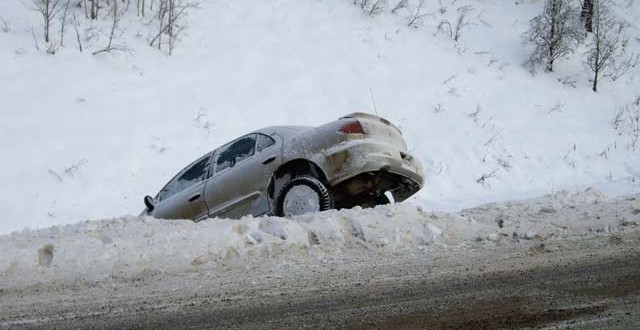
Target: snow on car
[357,160]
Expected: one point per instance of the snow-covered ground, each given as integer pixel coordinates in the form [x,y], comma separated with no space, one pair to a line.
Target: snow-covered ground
[86,137]
[131,247]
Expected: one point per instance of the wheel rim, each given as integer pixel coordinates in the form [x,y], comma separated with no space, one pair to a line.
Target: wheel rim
[301,199]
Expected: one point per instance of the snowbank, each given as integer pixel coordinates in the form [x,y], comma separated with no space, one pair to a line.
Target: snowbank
[126,246]
[131,246]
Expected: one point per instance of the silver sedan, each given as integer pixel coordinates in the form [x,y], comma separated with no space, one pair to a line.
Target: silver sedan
[357,160]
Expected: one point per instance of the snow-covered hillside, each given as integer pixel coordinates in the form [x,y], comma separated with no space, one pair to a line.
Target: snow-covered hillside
[86,137]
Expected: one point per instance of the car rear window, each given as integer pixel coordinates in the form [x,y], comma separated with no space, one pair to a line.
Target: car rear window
[264,142]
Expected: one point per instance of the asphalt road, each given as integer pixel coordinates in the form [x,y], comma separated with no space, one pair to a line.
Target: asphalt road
[585,284]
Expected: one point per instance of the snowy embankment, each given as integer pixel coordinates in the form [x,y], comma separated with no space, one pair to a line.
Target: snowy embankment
[86,137]
[131,247]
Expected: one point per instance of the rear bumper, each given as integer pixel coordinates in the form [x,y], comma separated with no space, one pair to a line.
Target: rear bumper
[355,157]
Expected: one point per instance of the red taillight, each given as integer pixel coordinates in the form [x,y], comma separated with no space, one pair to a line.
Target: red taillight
[353,127]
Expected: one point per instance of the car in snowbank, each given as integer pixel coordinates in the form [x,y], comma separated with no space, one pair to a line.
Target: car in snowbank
[357,160]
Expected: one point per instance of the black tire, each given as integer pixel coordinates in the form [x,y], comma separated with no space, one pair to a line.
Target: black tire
[324,194]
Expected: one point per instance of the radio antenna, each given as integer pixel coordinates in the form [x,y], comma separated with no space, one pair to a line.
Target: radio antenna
[373,100]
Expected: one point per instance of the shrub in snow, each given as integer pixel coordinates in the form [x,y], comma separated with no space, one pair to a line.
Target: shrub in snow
[461,22]
[416,17]
[167,21]
[4,26]
[372,7]
[454,31]
[399,5]
[627,122]
[377,7]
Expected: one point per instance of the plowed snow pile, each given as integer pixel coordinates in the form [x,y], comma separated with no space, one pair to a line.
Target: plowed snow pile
[131,246]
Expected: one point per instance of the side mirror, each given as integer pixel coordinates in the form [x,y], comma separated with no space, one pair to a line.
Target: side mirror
[149,203]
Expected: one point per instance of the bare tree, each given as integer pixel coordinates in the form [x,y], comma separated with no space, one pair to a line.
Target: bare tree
[586,15]
[141,5]
[48,9]
[608,56]
[553,34]
[95,8]
[63,20]
[75,27]
[171,14]
[162,12]
[116,15]
[83,4]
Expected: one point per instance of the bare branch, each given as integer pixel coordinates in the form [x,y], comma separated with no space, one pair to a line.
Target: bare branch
[461,22]
[399,5]
[417,16]
[35,41]
[486,176]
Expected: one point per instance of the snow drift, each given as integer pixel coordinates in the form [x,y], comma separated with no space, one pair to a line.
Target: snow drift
[133,246]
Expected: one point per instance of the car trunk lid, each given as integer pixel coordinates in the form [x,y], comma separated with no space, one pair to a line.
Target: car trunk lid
[377,127]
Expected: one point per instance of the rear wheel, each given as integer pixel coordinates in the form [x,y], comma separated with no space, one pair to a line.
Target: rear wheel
[303,194]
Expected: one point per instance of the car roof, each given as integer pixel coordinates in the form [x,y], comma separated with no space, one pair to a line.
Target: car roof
[284,131]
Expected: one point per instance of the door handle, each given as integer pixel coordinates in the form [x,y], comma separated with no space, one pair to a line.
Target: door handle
[269,160]
[194,198]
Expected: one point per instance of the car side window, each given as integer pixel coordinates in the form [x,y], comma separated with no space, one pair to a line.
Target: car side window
[235,152]
[188,177]
[264,142]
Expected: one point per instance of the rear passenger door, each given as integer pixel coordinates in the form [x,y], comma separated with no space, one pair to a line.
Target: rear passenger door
[183,196]
[242,172]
